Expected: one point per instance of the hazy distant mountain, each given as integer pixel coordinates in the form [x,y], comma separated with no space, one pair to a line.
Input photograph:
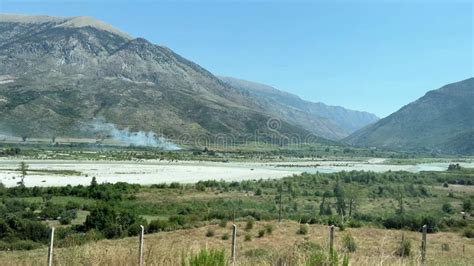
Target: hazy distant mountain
[59,75]
[440,121]
[332,122]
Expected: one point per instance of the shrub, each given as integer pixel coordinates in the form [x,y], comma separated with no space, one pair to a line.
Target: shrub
[225,236]
[445,247]
[354,224]
[261,233]
[342,226]
[113,231]
[249,225]
[467,205]
[349,243]
[210,232]
[65,220]
[19,245]
[175,185]
[134,229]
[447,208]
[412,222]
[66,237]
[453,222]
[431,223]
[303,229]
[469,232]
[305,219]
[158,226]
[71,205]
[113,222]
[177,221]
[223,223]
[269,229]
[248,237]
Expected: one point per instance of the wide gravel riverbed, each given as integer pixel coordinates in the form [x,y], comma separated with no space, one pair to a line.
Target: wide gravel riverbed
[55,172]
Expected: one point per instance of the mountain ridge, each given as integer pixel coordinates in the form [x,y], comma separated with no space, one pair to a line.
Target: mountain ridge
[56,79]
[440,121]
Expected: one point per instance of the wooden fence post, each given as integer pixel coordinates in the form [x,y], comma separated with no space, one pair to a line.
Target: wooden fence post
[423,244]
[280,203]
[140,246]
[402,250]
[331,239]
[234,242]
[50,249]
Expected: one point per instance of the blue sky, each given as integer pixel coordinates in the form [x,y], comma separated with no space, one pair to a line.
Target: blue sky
[374,56]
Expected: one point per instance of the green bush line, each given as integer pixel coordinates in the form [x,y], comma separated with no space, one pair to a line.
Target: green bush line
[115,210]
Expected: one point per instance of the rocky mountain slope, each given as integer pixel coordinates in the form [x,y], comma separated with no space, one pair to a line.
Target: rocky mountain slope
[59,76]
[440,121]
[334,122]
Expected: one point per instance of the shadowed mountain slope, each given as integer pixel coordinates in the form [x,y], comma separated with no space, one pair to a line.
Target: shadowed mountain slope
[440,121]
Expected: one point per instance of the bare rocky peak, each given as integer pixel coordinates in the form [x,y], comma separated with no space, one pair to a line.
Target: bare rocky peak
[65,22]
[80,22]
[14,18]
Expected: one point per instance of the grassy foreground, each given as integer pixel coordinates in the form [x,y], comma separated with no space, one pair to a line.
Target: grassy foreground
[283,245]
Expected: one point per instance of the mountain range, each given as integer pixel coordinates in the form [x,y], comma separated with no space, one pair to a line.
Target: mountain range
[333,122]
[60,75]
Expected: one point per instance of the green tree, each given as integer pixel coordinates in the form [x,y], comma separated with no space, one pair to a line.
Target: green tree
[325,207]
[340,199]
[353,197]
[322,205]
[400,198]
[94,183]
[23,169]
[280,202]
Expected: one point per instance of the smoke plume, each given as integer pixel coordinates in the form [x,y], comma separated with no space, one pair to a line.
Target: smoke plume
[124,136]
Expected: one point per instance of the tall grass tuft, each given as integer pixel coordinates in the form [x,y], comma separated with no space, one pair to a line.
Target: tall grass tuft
[349,243]
[206,258]
[321,257]
[404,248]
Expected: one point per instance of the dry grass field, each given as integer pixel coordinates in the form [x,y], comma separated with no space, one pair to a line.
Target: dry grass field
[283,246]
